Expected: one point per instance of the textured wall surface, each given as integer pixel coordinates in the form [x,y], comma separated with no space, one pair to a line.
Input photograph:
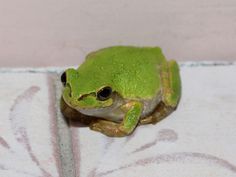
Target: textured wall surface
[197,140]
[60,32]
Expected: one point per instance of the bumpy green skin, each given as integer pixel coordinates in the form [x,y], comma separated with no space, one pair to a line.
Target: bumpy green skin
[135,73]
[130,71]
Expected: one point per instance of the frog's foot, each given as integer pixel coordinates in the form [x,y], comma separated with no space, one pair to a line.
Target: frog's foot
[171,93]
[133,111]
[108,128]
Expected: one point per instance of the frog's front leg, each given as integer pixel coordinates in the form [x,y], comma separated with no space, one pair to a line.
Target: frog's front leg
[133,111]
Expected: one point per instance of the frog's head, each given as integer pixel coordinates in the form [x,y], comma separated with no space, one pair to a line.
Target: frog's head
[84,93]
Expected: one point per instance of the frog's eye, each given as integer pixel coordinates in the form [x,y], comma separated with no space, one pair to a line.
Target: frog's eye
[63,78]
[104,93]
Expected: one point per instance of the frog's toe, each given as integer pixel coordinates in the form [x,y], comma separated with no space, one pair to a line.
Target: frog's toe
[108,128]
[95,126]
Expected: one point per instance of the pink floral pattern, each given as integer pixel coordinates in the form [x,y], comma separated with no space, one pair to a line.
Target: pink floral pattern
[19,147]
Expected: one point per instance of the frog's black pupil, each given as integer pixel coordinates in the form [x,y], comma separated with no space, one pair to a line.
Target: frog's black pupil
[63,78]
[104,93]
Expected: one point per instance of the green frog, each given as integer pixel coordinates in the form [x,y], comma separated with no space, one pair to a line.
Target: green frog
[120,87]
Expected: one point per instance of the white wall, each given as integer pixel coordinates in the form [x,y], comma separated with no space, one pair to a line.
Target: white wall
[60,32]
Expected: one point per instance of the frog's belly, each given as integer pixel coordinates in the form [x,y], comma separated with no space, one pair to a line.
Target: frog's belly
[150,105]
[115,113]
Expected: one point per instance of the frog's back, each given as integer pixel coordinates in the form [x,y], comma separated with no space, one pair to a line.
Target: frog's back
[132,71]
